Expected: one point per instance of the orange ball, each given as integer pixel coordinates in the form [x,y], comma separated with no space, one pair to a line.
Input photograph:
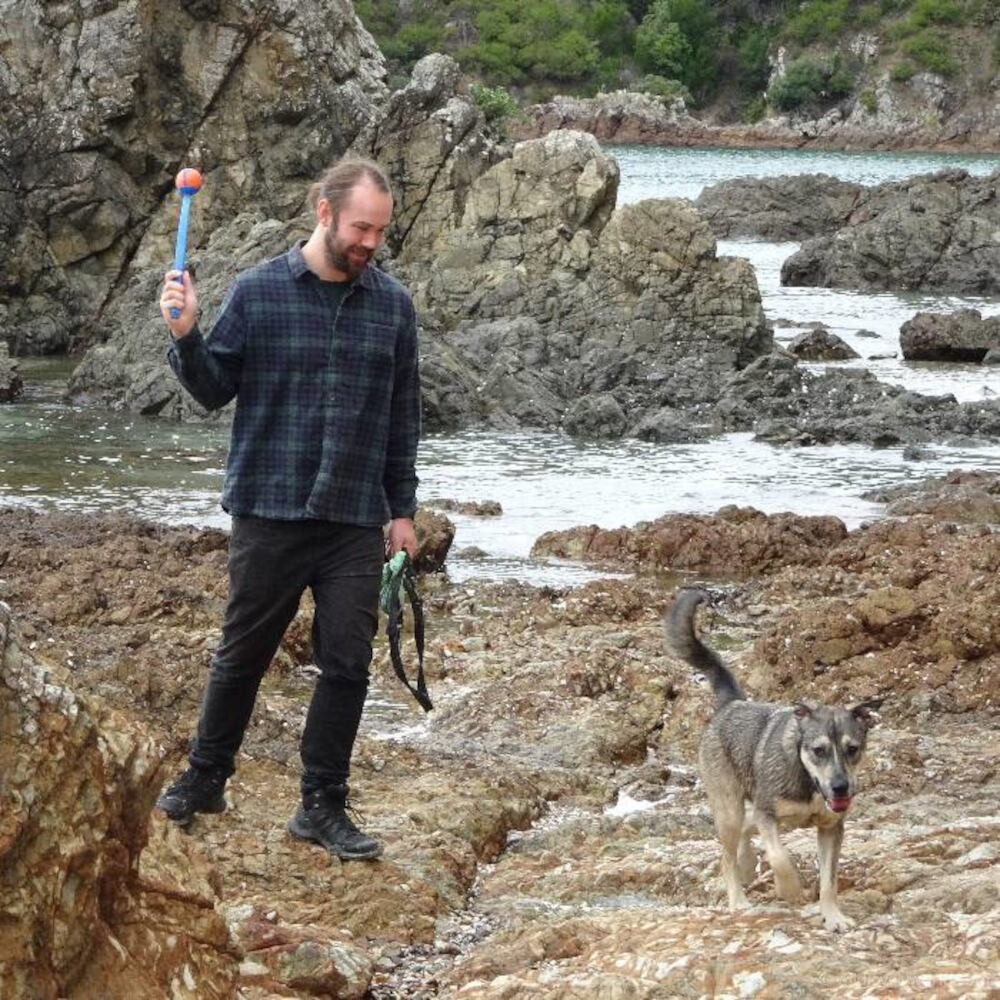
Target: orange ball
[188,180]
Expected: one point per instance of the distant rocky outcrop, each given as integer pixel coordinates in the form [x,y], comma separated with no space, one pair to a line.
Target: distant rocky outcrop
[779,208]
[105,102]
[933,233]
[960,336]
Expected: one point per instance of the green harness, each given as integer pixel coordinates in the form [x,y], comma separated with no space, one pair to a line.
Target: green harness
[397,576]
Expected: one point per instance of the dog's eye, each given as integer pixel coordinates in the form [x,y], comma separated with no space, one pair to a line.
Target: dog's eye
[819,751]
[852,749]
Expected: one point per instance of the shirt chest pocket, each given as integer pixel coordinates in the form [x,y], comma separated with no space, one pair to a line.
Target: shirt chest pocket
[365,357]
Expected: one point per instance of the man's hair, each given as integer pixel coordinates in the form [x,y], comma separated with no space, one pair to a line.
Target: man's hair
[340,179]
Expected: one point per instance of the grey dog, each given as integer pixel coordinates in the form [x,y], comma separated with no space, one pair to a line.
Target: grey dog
[773,767]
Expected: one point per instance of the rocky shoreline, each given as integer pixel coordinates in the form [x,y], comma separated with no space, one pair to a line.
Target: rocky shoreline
[545,832]
[902,120]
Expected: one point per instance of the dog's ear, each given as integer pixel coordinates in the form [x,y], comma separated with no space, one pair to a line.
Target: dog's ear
[865,710]
[802,710]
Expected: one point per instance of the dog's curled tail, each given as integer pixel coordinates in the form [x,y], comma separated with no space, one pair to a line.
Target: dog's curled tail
[681,638]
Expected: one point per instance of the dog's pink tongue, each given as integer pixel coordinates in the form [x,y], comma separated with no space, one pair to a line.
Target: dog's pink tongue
[839,805]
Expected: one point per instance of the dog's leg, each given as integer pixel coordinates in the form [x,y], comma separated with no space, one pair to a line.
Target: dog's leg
[829,840]
[786,879]
[746,858]
[729,825]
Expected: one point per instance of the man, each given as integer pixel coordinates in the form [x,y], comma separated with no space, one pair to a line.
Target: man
[319,348]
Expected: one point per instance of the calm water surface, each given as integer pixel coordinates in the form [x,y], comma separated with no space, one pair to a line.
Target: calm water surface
[56,456]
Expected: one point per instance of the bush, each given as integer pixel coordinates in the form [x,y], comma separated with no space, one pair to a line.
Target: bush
[804,82]
[868,101]
[680,39]
[931,51]
[754,66]
[902,71]
[818,19]
[936,12]
[755,110]
[659,86]
[495,103]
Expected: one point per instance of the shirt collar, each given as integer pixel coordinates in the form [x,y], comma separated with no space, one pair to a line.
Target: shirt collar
[298,266]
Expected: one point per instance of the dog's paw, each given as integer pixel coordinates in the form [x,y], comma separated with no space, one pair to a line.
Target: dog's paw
[788,886]
[834,920]
[738,901]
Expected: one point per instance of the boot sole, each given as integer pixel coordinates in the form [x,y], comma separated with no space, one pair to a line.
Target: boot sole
[185,818]
[306,833]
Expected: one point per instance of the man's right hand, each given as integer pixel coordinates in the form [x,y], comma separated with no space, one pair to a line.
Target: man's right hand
[182,297]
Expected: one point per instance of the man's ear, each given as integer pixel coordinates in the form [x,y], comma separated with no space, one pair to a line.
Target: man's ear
[324,212]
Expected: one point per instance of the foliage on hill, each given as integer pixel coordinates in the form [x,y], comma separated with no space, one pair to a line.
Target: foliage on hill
[705,50]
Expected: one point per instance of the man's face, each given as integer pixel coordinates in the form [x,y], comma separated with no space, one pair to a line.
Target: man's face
[358,230]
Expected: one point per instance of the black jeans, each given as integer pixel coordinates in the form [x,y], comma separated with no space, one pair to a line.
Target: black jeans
[271,563]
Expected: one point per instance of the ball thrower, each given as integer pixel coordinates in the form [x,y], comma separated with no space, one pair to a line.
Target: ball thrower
[188,182]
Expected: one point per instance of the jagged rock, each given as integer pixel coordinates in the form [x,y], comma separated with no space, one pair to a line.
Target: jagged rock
[434,144]
[470,508]
[595,416]
[614,304]
[11,383]
[929,233]
[95,903]
[736,540]
[821,345]
[106,102]
[960,336]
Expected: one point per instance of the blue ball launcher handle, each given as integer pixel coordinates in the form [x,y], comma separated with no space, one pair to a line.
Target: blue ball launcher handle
[181,250]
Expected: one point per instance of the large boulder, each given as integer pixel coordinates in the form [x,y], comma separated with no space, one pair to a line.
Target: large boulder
[933,233]
[960,336]
[547,295]
[105,102]
[95,901]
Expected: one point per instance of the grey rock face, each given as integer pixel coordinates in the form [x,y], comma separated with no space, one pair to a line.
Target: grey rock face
[106,102]
[129,370]
[961,336]
[935,233]
[554,307]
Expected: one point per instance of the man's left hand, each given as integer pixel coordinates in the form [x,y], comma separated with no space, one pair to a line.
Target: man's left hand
[402,536]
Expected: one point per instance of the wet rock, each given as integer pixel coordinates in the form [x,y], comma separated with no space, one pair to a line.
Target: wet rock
[734,541]
[11,383]
[960,497]
[469,508]
[821,345]
[960,336]
[98,901]
[930,233]
[595,416]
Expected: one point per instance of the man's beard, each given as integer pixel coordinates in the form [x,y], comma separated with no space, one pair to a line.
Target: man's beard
[338,256]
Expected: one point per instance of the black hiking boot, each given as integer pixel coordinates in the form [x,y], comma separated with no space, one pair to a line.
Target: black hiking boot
[322,818]
[196,791]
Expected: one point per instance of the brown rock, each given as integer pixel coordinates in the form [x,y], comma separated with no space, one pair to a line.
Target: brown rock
[735,541]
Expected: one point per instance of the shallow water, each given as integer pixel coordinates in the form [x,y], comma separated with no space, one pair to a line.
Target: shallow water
[56,456]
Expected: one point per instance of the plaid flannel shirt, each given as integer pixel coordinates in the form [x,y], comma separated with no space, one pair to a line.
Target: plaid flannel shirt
[327,406]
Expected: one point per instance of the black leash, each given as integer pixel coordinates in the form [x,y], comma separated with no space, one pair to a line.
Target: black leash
[397,576]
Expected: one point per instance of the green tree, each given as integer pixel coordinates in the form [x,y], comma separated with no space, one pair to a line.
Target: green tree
[681,38]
